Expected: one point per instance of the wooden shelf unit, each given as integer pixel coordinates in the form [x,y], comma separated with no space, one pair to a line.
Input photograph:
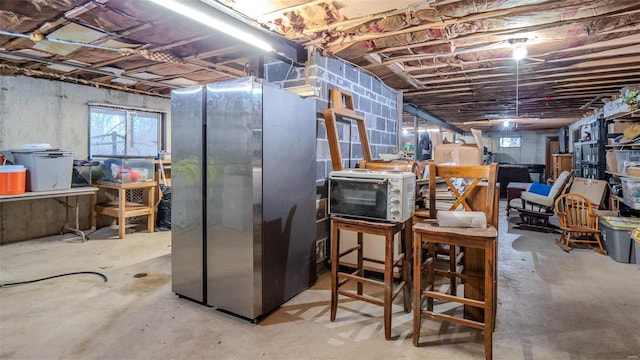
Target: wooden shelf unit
[561,162]
[123,209]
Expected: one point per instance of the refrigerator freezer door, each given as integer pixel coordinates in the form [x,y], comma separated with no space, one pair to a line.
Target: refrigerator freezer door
[234,203]
[187,230]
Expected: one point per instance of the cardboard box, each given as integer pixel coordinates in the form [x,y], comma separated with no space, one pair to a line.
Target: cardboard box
[617,127]
[461,154]
[592,189]
[607,212]
[612,164]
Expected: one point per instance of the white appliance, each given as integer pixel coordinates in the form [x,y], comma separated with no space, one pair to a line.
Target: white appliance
[376,195]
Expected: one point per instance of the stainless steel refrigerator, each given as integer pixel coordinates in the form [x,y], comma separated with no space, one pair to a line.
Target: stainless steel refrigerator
[243,195]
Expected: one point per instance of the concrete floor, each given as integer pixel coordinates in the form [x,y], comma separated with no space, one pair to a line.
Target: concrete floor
[552,305]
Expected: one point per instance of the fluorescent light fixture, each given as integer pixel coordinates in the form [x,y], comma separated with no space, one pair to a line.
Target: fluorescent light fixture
[519,52]
[213,22]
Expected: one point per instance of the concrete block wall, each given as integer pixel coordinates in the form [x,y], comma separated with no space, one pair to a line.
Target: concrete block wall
[379,104]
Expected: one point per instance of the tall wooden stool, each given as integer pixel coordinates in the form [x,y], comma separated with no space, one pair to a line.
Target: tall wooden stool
[402,261]
[480,241]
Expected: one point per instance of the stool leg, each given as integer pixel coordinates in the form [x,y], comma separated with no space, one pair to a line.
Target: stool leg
[335,259]
[488,299]
[406,246]
[417,290]
[360,255]
[431,272]
[388,284]
[452,269]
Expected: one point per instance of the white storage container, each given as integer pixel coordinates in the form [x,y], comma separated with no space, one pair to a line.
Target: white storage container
[631,192]
[46,169]
[626,158]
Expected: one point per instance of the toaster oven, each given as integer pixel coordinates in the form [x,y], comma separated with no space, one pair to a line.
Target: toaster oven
[377,195]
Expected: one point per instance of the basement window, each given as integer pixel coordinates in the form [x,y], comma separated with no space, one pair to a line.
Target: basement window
[125,131]
[510,142]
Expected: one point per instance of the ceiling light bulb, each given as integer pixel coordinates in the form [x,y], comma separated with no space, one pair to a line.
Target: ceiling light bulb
[505,123]
[519,52]
[214,23]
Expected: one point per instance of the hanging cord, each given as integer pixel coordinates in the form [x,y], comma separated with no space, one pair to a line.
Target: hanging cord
[517,86]
[55,276]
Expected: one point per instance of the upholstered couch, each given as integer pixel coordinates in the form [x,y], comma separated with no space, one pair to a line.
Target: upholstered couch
[512,173]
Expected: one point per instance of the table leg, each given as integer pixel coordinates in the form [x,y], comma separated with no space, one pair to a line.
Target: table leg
[122,220]
[94,201]
[152,204]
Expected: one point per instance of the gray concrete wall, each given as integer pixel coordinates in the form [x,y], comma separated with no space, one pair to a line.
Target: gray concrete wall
[532,150]
[54,112]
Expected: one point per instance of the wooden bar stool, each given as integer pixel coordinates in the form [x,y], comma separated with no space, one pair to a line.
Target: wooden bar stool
[430,235]
[401,261]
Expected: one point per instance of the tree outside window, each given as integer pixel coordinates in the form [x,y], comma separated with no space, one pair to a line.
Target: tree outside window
[125,132]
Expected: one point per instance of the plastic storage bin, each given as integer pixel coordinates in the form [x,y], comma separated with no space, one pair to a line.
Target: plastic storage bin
[616,236]
[124,169]
[625,158]
[82,170]
[12,179]
[46,169]
[631,192]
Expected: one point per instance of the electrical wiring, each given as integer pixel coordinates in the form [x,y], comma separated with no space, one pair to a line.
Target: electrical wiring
[55,276]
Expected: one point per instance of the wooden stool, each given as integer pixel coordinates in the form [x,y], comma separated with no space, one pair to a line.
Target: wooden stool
[485,240]
[450,256]
[480,244]
[402,261]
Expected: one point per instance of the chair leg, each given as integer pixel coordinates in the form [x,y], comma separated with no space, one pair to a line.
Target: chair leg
[602,250]
[568,240]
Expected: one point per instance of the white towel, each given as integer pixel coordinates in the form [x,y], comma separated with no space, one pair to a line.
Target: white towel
[466,219]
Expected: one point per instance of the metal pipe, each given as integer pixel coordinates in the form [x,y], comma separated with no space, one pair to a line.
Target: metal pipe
[423,114]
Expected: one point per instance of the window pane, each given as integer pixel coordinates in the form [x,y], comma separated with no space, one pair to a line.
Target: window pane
[510,141]
[107,132]
[124,132]
[144,134]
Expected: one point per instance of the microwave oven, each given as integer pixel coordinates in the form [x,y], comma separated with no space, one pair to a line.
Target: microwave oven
[377,195]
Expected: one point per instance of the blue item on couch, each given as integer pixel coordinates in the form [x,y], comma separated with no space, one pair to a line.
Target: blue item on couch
[541,189]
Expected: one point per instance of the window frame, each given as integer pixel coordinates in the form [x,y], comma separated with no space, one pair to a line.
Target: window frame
[500,145]
[128,113]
